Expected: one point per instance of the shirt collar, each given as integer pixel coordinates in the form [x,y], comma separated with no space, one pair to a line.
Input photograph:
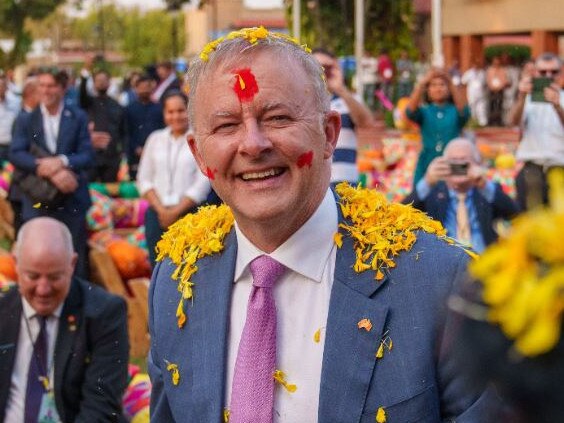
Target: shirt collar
[453,194]
[306,251]
[29,311]
[46,113]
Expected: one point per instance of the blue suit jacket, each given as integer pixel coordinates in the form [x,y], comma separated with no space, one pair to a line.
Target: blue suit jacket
[73,141]
[415,381]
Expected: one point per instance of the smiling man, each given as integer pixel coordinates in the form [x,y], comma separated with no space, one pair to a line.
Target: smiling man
[256,315]
[63,342]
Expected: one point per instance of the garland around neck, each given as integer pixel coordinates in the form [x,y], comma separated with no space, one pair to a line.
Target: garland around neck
[380,231]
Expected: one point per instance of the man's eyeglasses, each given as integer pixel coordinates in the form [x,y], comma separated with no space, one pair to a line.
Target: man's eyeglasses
[548,72]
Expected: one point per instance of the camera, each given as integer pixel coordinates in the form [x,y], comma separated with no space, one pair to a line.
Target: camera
[459,168]
[539,84]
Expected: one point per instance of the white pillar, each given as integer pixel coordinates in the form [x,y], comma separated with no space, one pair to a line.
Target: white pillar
[436,31]
[359,42]
[296,20]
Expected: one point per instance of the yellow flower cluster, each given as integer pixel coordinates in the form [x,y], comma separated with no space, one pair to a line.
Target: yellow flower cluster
[523,276]
[189,239]
[381,229]
[252,35]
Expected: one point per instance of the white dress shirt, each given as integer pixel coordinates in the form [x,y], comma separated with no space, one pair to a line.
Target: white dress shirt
[302,301]
[51,124]
[15,406]
[7,117]
[168,166]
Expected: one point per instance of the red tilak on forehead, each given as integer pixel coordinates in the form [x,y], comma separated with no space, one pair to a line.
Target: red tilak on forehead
[305,159]
[245,84]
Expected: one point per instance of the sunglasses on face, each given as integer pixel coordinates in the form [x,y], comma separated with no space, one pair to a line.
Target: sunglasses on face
[548,72]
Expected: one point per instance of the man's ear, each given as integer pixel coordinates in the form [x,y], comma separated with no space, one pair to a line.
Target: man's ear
[196,152]
[332,128]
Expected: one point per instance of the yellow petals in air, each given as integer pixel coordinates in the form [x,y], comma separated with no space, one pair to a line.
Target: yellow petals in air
[317,336]
[226,415]
[280,377]
[338,238]
[365,324]
[381,415]
[174,374]
[37,205]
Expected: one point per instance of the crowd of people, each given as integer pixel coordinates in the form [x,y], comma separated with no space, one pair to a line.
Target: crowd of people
[308,298]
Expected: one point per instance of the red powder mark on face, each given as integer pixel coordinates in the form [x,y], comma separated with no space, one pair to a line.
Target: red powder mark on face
[245,84]
[305,159]
[210,173]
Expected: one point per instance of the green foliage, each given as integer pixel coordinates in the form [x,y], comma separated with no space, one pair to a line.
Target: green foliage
[517,52]
[13,16]
[330,24]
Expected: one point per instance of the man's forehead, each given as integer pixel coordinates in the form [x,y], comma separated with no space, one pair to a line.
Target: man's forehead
[548,64]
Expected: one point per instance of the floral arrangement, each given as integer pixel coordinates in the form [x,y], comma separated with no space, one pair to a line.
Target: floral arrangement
[381,230]
[252,35]
[523,276]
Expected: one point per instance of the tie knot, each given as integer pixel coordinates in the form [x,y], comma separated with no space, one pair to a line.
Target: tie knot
[266,271]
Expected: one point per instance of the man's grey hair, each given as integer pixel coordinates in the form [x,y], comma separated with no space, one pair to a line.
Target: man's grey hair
[464,141]
[231,50]
[64,233]
[548,57]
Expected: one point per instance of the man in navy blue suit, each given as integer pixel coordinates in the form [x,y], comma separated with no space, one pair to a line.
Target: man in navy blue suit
[455,176]
[62,132]
[343,344]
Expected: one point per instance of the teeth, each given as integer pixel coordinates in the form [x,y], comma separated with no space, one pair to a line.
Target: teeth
[260,175]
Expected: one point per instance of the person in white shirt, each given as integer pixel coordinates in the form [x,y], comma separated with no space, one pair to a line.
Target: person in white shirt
[542,143]
[7,117]
[168,176]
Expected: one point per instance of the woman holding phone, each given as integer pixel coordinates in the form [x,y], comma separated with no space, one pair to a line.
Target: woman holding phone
[441,111]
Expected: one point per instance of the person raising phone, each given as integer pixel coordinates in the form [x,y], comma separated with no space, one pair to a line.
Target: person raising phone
[455,191]
[542,142]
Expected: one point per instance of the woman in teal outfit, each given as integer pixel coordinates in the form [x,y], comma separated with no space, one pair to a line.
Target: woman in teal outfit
[441,111]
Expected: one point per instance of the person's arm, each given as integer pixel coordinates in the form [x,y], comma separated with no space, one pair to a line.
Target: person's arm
[105,377]
[524,88]
[552,95]
[359,113]
[458,98]
[20,156]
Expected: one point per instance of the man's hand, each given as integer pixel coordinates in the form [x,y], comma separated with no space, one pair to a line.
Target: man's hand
[100,139]
[525,85]
[477,175]
[334,76]
[65,181]
[167,216]
[438,170]
[49,166]
[552,94]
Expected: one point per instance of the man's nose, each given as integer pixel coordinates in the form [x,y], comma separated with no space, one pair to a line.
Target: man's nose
[255,142]
[43,287]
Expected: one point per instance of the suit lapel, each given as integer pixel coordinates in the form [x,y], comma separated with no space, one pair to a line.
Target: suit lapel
[9,331]
[349,356]
[210,325]
[440,204]
[64,129]
[70,324]
[38,130]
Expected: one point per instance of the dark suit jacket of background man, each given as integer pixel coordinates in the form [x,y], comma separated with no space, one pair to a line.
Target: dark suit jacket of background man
[91,358]
[437,202]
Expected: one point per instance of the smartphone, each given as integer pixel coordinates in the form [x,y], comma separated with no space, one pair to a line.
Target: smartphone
[539,84]
[459,168]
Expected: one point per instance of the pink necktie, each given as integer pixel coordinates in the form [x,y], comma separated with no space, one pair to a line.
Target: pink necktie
[252,396]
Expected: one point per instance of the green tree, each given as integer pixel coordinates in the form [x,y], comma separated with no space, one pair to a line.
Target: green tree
[13,16]
[330,23]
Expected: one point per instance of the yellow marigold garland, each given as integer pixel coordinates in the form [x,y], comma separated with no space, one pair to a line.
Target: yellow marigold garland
[381,230]
[523,276]
[252,35]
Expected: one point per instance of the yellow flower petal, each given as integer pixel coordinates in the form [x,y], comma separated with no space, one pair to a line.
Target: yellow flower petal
[380,352]
[338,238]
[37,205]
[317,336]
[381,415]
[226,415]
[280,377]
[174,373]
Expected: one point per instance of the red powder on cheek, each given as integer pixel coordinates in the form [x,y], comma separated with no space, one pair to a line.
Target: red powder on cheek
[245,84]
[210,173]
[305,159]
